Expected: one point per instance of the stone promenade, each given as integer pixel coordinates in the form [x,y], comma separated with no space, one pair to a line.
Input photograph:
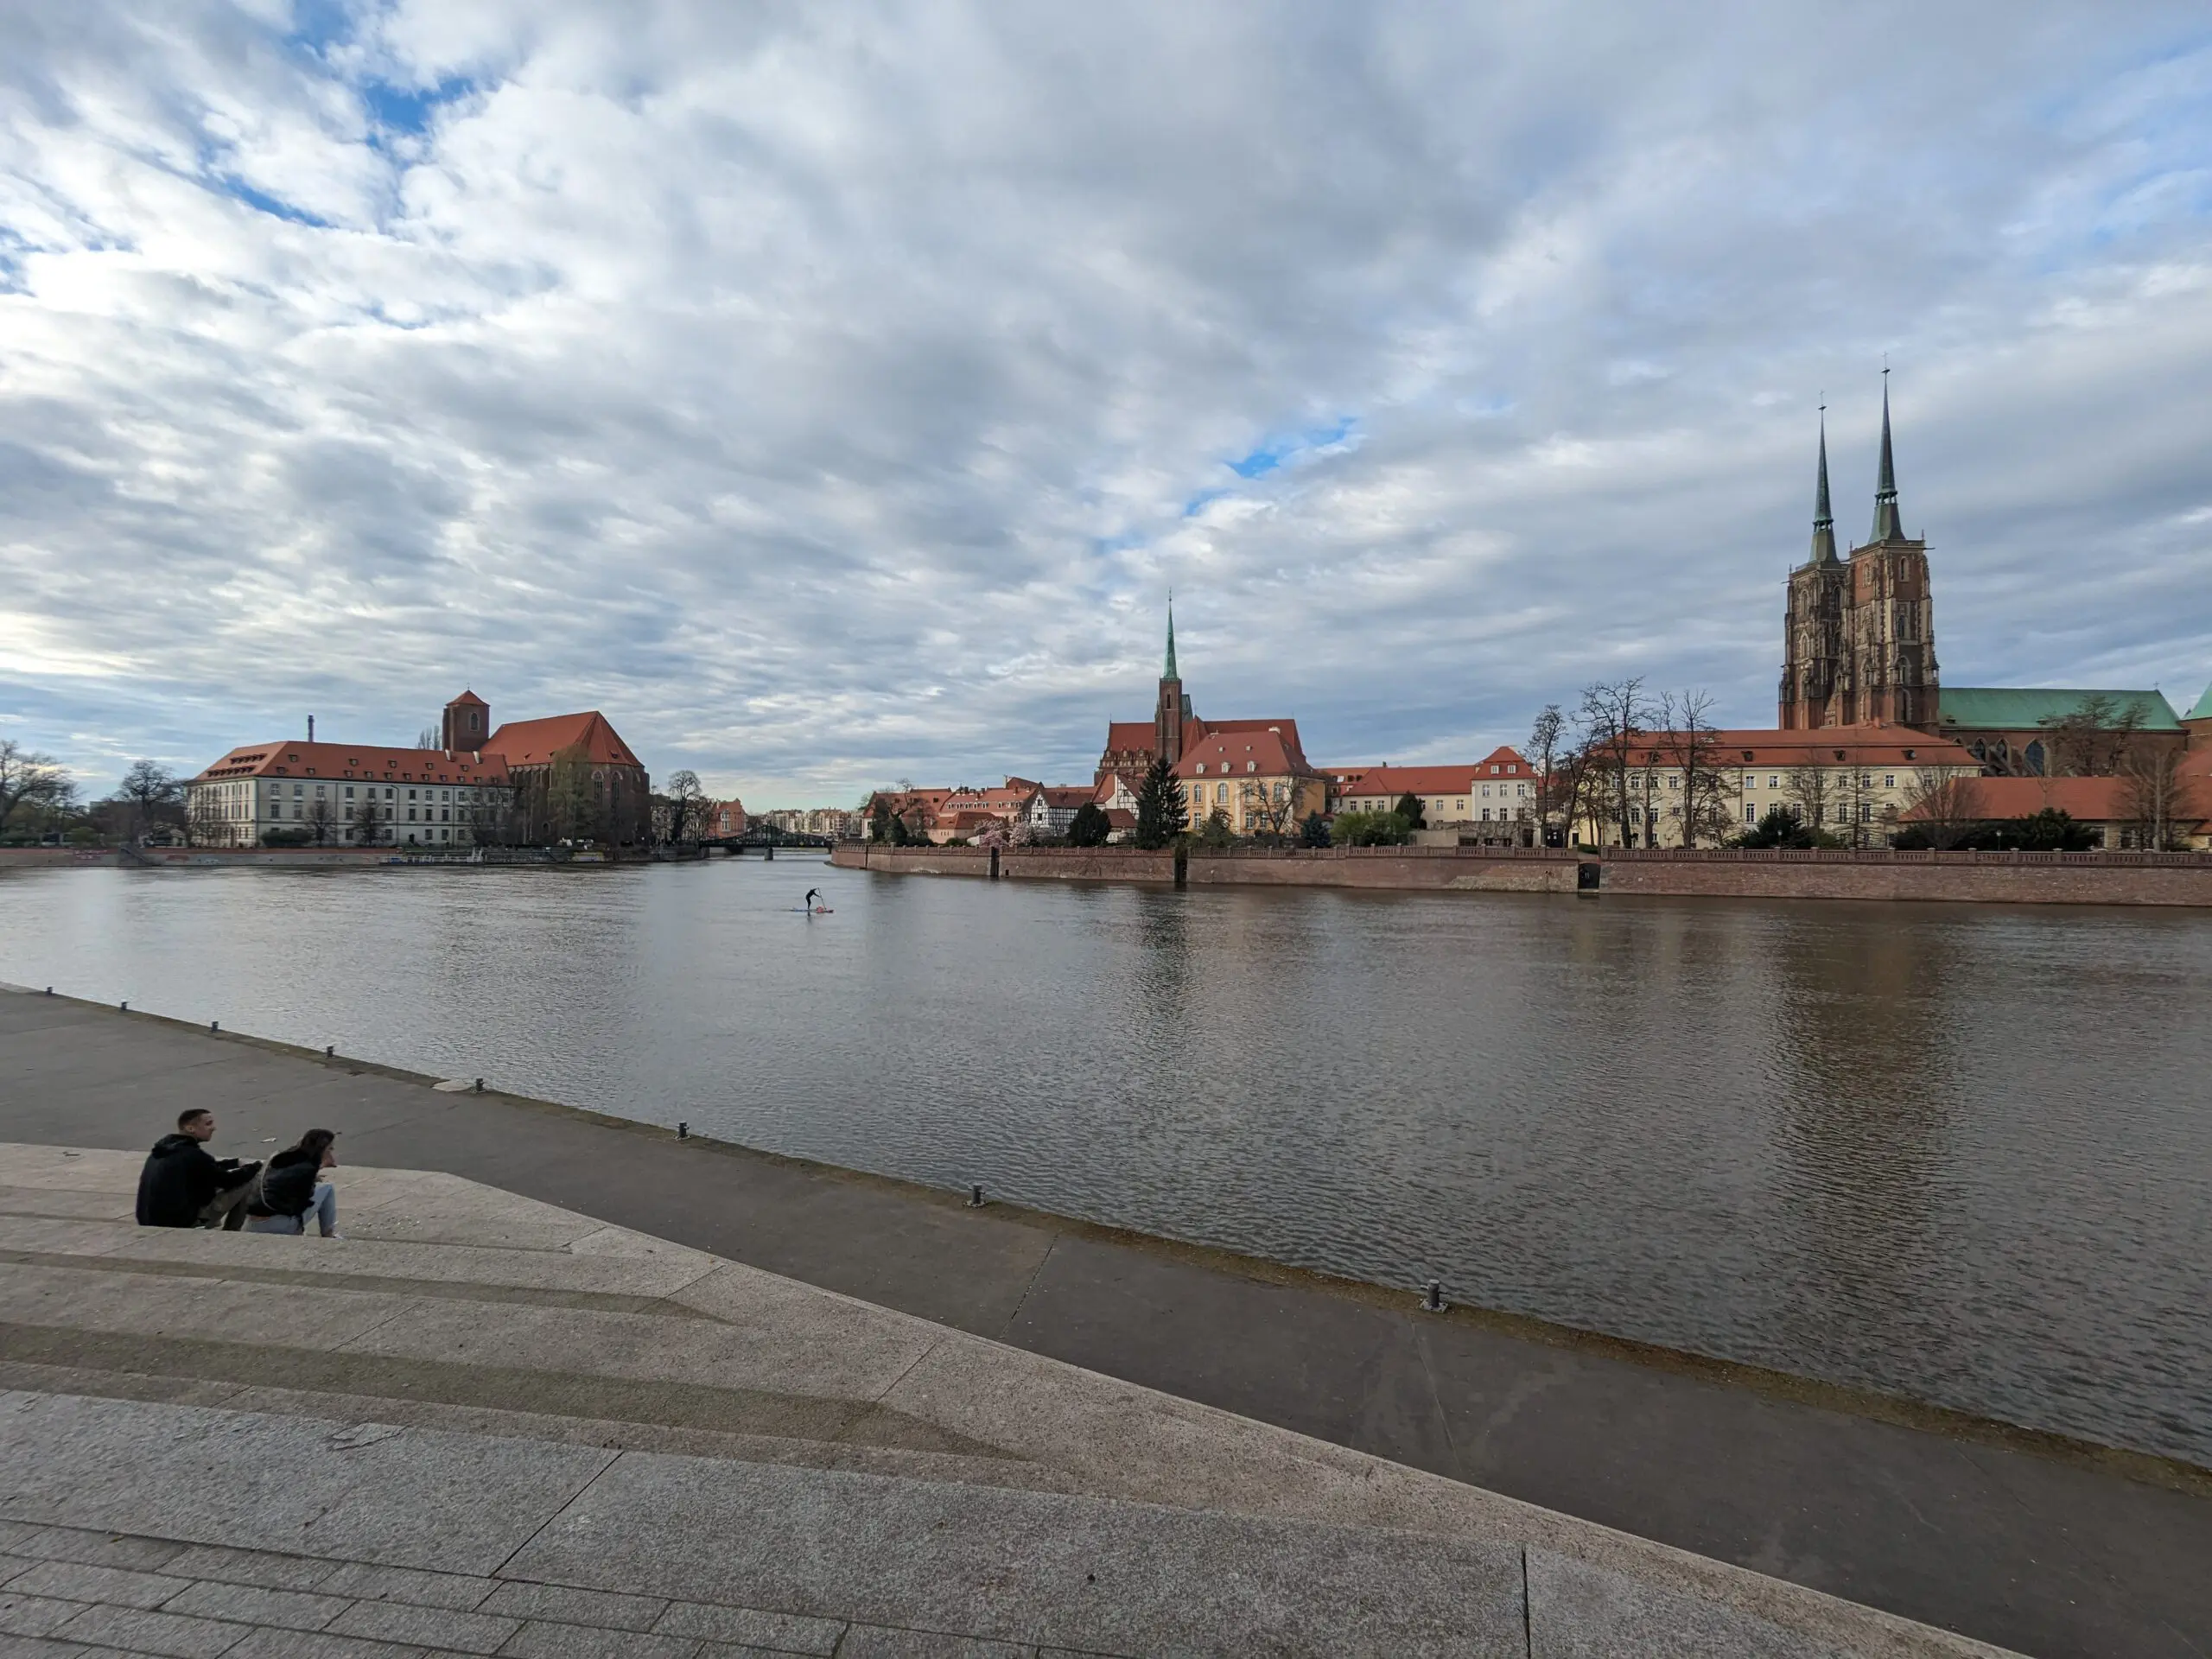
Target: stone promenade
[2053,1552]
[481,1424]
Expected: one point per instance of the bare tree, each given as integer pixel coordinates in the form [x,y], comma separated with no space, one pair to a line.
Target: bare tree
[686,801]
[1270,814]
[28,779]
[2153,788]
[1947,806]
[1694,751]
[368,827]
[1547,742]
[1610,725]
[152,791]
[429,738]
[2095,741]
[1810,792]
[321,820]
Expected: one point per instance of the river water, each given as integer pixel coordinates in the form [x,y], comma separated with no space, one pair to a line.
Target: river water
[1963,1154]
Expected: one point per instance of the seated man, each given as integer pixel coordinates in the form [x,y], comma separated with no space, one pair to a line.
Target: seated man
[292,1187]
[183,1187]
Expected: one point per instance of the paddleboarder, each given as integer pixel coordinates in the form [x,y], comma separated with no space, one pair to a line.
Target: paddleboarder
[812,894]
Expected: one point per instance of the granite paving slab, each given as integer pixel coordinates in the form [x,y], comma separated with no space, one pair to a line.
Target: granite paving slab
[1027,1568]
[413,1497]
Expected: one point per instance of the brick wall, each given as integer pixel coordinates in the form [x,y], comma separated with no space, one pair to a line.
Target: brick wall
[1985,878]
[1978,878]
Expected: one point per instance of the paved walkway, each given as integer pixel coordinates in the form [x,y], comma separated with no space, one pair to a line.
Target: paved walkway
[480,1423]
[2008,1546]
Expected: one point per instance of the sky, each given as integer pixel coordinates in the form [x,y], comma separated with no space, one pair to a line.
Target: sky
[834,394]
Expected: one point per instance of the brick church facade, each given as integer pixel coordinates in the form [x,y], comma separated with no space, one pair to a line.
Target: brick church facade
[1174,731]
[1859,642]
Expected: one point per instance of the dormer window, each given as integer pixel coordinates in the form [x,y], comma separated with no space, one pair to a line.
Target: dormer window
[1202,768]
[1251,766]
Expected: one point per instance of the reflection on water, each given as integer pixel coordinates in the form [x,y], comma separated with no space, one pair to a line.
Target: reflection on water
[1957,1153]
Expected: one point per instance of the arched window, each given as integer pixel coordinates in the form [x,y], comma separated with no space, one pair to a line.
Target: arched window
[2035,758]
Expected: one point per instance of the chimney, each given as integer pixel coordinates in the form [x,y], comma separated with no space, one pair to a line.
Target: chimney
[310,728]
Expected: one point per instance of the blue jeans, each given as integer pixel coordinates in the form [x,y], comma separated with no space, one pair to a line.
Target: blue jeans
[324,1210]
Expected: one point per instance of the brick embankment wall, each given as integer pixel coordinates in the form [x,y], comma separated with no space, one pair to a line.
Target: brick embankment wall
[1016,863]
[1973,878]
[1488,869]
[1465,869]
[19,857]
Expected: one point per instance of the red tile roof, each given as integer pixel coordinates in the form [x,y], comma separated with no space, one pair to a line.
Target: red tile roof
[534,742]
[1876,745]
[468,697]
[1070,797]
[2087,800]
[355,762]
[1395,781]
[1245,748]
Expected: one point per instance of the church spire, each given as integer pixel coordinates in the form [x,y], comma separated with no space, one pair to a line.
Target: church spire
[1887,526]
[1169,673]
[1823,521]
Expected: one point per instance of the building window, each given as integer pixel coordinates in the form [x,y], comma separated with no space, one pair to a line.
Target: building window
[1888,780]
[1751,813]
[1485,815]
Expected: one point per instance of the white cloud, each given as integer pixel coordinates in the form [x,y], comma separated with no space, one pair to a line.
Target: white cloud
[826,395]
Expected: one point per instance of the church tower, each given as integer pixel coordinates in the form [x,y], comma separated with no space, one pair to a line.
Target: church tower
[1172,708]
[467,723]
[1812,629]
[1859,643]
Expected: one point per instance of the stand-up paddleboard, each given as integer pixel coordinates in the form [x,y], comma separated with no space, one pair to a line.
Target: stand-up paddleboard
[819,910]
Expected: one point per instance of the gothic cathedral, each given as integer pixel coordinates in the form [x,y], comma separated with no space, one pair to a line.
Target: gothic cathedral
[1859,643]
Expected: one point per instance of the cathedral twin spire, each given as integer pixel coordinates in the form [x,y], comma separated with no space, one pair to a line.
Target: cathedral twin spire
[1888,525]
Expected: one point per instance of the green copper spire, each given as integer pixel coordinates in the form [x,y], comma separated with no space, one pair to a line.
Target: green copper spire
[1170,673]
[1823,521]
[1887,526]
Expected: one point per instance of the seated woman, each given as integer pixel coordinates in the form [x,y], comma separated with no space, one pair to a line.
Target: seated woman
[291,1185]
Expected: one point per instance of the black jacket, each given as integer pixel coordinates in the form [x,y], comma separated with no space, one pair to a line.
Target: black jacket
[288,1185]
[180,1178]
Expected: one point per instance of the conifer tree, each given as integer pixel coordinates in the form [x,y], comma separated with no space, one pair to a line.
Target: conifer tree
[1159,807]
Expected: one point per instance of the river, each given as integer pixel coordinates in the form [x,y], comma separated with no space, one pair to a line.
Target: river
[1957,1153]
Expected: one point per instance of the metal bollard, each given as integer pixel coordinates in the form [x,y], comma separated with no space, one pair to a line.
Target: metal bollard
[1433,1302]
[975,1198]
[214,1025]
[49,990]
[683,1130]
[480,1085]
[330,1051]
[125,1007]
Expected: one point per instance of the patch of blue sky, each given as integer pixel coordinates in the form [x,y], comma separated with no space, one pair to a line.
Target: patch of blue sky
[1122,542]
[410,110]
[262,201]
[1279,451]
[318,25]
[1199,503]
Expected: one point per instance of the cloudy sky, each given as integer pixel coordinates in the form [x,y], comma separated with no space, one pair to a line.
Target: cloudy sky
[832,394]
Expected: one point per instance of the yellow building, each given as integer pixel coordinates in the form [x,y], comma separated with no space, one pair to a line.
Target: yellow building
[1257,778]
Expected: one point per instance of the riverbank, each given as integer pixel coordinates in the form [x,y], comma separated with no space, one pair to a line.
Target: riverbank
[2023,1540]
[2148,879]
[461,1384]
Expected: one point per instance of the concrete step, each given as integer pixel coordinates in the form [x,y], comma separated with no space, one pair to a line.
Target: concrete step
[756,1443]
